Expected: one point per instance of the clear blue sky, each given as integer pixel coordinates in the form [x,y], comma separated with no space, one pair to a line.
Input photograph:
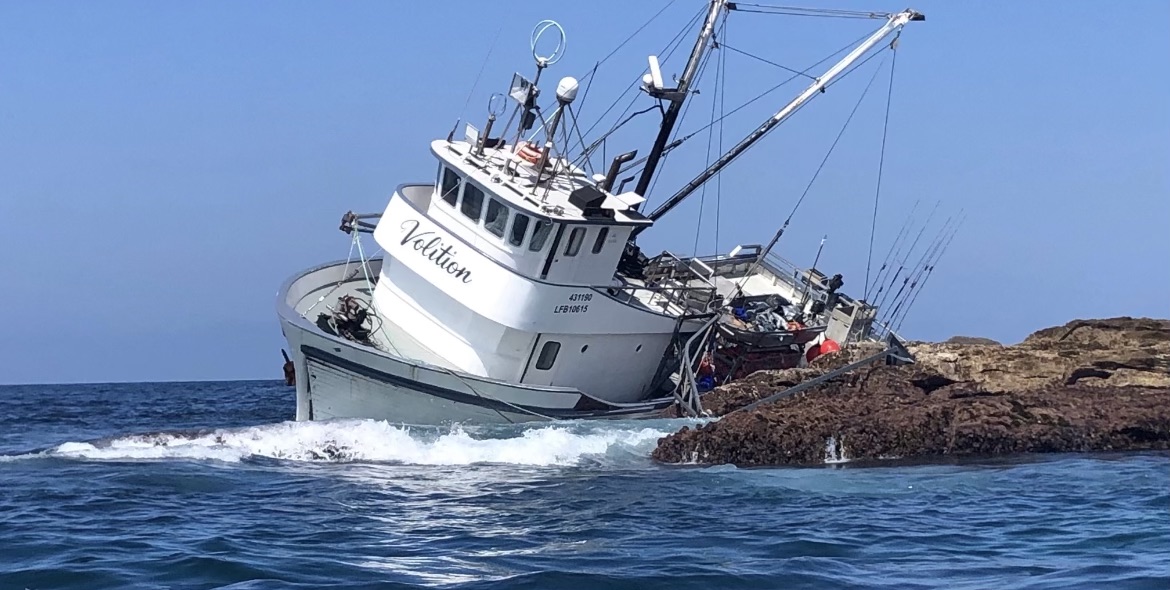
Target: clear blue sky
[165,166]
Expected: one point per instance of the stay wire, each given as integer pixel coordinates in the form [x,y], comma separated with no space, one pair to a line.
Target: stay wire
[828,154]
[722,109]
[776,87]
[767,61]
[482,66]
[710,137]
[881,162]
[803,11]
[832,147]
[678,126]
[632,35]
[668,51]
[839,79]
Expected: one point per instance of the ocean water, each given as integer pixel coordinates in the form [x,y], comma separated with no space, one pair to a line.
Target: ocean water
[207,485]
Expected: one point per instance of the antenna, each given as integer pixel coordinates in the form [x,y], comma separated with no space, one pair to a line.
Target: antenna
[526,92]
[653,80]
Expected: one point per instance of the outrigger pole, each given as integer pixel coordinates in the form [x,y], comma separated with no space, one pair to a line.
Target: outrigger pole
[895,22]
[677,96]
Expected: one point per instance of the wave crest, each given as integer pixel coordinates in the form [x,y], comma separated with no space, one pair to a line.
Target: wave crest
[373,441]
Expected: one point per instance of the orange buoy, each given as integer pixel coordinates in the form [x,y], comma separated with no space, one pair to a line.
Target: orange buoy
[828,346]
[813,352]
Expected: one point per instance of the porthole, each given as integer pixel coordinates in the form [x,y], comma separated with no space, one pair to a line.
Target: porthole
[584,348]
[638,349]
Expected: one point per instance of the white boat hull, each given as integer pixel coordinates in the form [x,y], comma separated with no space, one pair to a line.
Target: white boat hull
[338,378]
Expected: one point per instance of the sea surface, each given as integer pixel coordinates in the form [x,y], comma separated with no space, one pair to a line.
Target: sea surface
[208,485]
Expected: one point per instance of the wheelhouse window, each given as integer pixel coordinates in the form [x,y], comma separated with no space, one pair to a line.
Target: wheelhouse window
[450,186]
[540,235]
[496,219]
[575,240]
[519,228]
[599,243]
[472,202]
[548,355]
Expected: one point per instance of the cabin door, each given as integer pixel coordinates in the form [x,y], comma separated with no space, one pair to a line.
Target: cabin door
[544,361]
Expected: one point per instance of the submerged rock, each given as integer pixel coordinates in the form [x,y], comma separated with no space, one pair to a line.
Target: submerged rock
[1091,385]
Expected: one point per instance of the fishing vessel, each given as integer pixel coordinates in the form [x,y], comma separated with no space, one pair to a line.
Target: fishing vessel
[510,286]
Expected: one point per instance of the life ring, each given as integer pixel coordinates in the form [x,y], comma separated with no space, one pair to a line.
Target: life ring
[529,152]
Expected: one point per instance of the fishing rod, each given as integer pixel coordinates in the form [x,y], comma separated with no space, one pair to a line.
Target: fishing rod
[916,271]
[901,266]
[919,270]
[896,302]
[922,285]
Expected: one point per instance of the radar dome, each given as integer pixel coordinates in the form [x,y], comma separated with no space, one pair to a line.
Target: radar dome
[567,89]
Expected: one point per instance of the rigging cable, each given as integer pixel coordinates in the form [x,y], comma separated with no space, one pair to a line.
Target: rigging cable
[801,11]
[881,161]
[668,51]
[672,201]
[581,107]
[682,117]
[475,84]
[777,87]
[769,62]
[632,35]
[722,109]
[776,237]
[710,134]
[834,145]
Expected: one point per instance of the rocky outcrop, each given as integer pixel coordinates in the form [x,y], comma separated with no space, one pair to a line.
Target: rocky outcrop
[1090,385]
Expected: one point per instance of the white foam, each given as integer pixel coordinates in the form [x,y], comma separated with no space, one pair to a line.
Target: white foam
[374,441]
[11,458]
[835,451]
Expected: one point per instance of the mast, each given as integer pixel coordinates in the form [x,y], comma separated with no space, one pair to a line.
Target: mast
[678,96]
[894,23]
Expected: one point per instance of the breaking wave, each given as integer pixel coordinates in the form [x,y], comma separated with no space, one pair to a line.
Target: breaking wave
[376,441]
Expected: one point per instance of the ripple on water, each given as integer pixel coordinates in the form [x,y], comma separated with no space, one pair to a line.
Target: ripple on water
[150,497]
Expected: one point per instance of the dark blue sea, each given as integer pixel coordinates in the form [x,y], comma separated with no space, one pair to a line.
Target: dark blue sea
[208,485]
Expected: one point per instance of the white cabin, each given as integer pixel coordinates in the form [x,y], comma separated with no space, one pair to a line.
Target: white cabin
[515,280]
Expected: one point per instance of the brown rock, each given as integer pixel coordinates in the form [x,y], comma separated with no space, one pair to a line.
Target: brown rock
[1091,385]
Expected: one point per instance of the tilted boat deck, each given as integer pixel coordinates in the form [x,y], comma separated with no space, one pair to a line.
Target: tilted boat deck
[387,336]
